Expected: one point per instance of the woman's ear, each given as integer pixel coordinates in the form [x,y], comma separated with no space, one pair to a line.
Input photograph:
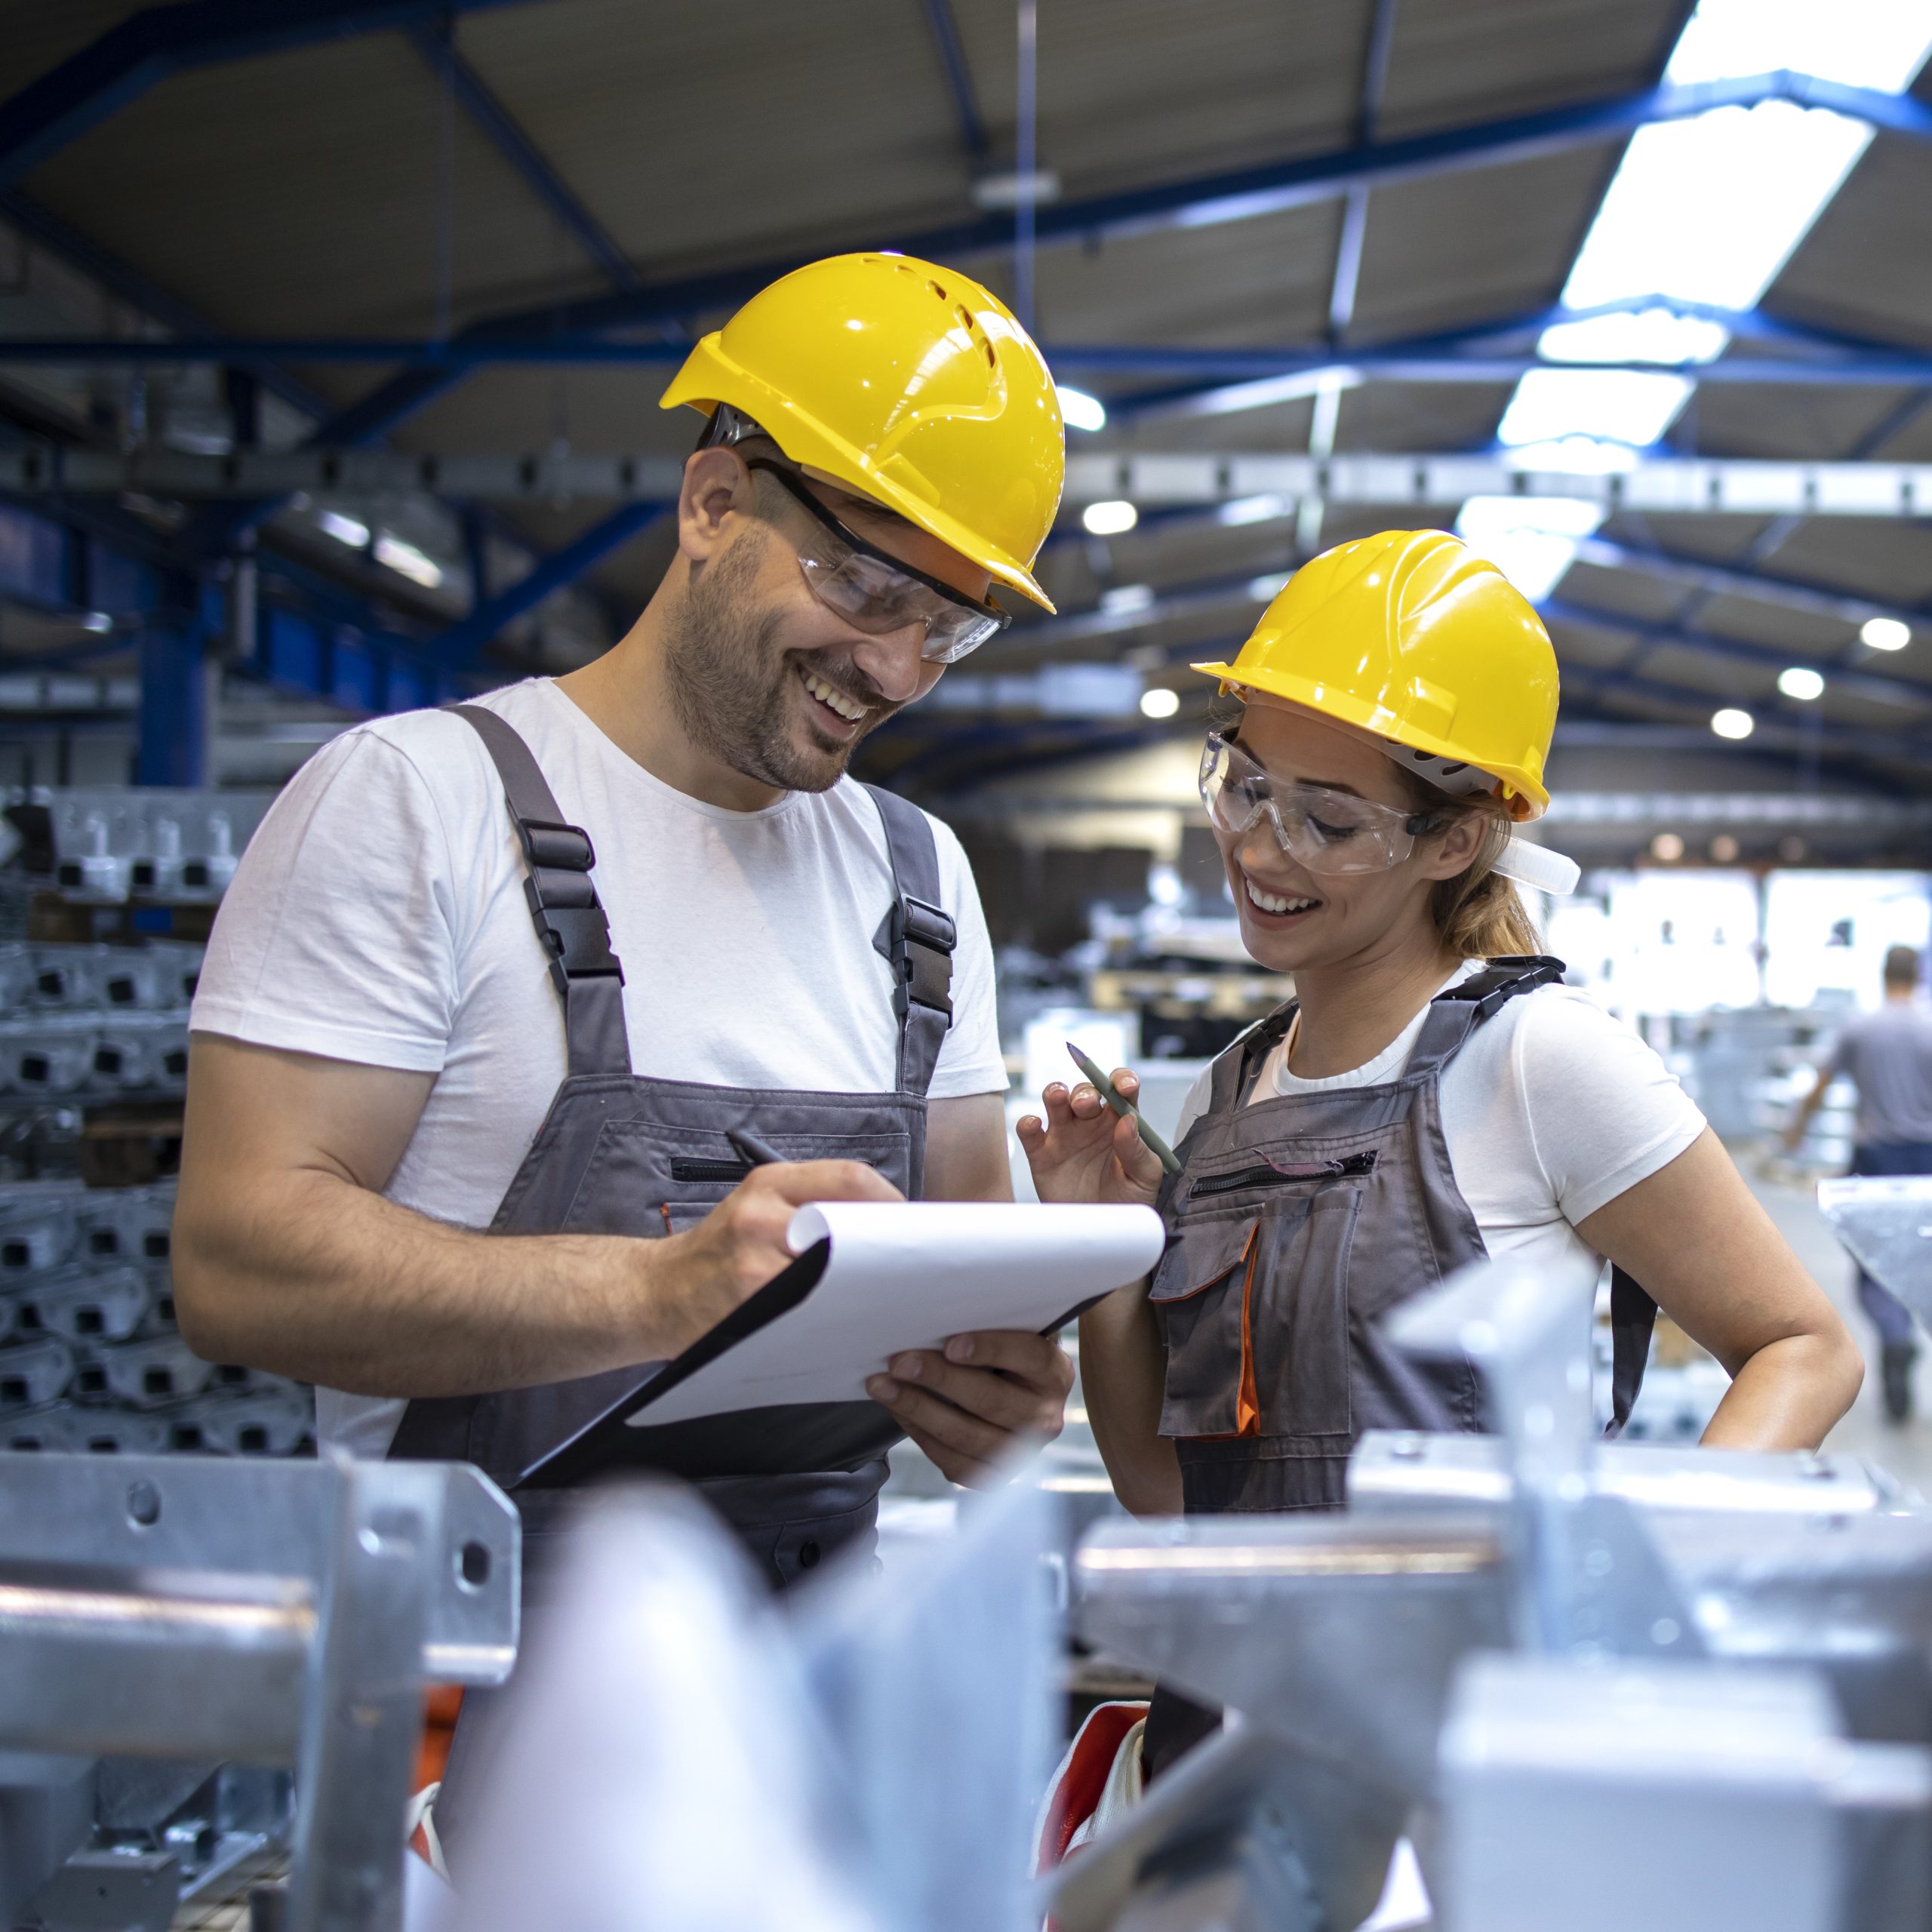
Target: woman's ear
[1455,846]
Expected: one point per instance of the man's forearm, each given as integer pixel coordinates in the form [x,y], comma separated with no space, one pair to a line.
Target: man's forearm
[332,1283]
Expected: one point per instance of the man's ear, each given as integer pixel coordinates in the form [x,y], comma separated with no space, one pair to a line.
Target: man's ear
[717,490]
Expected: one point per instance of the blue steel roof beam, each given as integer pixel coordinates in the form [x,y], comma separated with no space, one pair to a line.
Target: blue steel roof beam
[500,128]
[1188,599]
[1853,682]
[90,86]
[82,251]
[1237,195]
[1727,580]
[1196,201]
[460,645]
[1347,275]
[972,137]
[1434,358]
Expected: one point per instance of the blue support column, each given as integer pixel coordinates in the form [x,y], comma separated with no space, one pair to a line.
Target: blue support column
[173,747]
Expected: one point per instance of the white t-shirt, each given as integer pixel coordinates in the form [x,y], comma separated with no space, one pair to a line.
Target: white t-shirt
[378,916]
[1551,1109]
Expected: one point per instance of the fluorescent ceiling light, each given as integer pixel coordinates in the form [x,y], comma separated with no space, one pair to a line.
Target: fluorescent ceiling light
[1647,335]
[1009,190]
[1732,723]
[406,561]
[1251,509]
[1884,634]
[1125,598]
[1574,456]
[1264,392]
[343,529]
[1111,518]
[1081,410]
[1532,540]
[98,622]
[1618,405]
[1159,701]
[1708,209]
[1800,682]
[1863,43]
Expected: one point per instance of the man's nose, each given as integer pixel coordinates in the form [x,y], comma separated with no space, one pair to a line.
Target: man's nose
[893,663]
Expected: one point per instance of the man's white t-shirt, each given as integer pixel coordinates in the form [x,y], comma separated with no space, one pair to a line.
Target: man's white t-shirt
[1552,1109]
[378,916]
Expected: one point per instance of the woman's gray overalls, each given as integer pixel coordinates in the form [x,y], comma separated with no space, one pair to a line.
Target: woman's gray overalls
[622,1153]
[1294,1226]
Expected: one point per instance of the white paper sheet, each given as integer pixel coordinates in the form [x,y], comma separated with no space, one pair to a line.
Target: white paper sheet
[906,1274]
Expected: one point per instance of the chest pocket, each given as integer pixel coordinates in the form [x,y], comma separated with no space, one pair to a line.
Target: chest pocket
[1254,1314]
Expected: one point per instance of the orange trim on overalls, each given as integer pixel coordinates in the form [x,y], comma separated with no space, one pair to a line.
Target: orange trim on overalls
[1247,1404]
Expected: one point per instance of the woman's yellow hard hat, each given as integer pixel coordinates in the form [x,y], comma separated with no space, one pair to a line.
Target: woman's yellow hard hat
[908,383]
[1412,636]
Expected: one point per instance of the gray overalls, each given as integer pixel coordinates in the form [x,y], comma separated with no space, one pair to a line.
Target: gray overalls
[1294,1226]
[620,1153]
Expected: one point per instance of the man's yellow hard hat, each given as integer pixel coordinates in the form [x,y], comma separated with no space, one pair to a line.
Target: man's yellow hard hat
[908,383]
[1411,636]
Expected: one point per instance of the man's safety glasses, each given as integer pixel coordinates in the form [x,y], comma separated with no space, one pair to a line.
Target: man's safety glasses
[1318,827]
[876,593]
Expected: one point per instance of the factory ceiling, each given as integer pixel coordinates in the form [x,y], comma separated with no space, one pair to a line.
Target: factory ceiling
[1332,228]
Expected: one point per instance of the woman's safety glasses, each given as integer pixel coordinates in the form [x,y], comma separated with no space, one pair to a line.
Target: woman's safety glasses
[875,593]
[1318,827]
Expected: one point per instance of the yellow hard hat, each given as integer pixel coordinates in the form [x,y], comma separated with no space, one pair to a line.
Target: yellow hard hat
[1411,636]
[908,383]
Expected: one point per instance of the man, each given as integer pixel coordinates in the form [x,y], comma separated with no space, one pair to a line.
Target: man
[414,1022]
[1887,1055]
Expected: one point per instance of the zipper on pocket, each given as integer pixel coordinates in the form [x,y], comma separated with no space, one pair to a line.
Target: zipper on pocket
[1270,1176]
[682,1169]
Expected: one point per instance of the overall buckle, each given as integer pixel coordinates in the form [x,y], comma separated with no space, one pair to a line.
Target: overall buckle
[923,938]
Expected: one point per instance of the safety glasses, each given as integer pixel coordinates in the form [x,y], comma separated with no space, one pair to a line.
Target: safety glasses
[876,593]
[1318,827]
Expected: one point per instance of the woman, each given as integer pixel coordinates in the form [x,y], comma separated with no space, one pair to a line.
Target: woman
[1414,1107]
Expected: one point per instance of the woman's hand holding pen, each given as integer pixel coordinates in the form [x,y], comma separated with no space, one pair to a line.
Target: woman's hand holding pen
[1084,1152]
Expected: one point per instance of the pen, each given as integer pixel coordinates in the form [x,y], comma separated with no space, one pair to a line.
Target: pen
[1153,1140]
[750,1149]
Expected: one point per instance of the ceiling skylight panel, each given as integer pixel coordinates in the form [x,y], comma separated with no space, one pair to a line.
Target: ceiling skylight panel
[1532,540]
[1708,209]
[1620,406]
[1861,43]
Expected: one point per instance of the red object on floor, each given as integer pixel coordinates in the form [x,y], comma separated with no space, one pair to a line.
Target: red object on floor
[1084,1777]
[441,1703]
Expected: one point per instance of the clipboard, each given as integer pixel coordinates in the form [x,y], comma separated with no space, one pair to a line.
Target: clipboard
[870,1280]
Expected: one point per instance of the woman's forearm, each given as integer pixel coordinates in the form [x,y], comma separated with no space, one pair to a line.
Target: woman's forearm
[1121,1374]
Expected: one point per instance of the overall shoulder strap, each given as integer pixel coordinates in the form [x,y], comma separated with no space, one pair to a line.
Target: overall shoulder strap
[1455,1015]
[1237,1069]
[571,925]
[917,936]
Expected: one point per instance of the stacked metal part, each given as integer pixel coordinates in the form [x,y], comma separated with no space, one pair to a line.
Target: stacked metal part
[93,1060]
[1525,1654]
[95,1023]
[90,1356]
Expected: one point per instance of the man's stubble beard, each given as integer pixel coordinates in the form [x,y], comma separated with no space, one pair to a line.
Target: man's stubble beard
[730,683]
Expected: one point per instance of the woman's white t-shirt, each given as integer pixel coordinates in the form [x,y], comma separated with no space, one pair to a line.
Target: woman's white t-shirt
[1552,1109]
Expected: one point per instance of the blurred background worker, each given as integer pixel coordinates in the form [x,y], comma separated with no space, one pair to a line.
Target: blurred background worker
[1887,1055]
